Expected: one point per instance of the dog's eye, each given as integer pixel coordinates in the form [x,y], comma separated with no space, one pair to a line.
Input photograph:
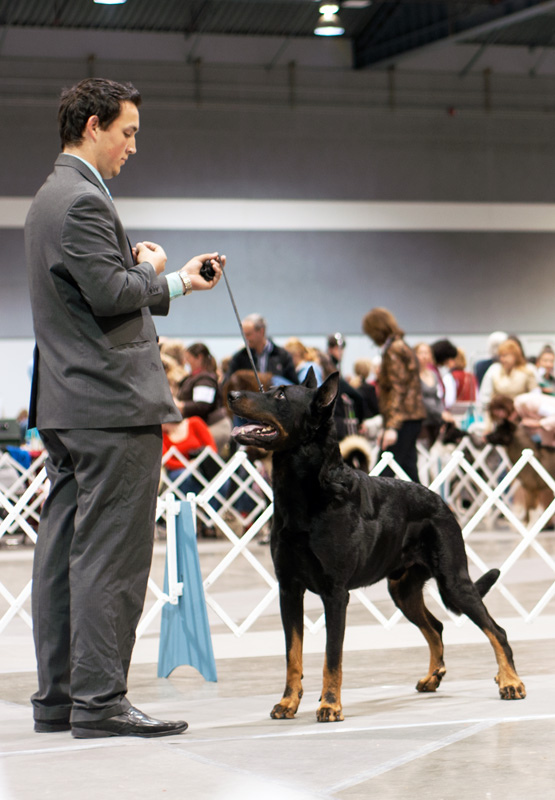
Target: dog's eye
[280,394]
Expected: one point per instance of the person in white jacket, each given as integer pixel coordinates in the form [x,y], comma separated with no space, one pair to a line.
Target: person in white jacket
[537,414]
[511,376]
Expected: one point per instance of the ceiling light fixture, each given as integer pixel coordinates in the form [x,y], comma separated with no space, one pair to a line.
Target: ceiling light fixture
[329,23]
[109,2]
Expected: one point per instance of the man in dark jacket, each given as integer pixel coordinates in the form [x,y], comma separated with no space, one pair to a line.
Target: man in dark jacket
[99,397]
[268,357]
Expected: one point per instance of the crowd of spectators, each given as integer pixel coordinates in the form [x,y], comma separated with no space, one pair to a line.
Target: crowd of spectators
[403,395]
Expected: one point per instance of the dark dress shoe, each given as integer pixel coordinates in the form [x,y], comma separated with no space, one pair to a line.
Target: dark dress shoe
[130,723]
[52,725]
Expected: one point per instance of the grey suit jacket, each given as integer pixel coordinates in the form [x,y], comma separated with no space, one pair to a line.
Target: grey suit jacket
[97,363]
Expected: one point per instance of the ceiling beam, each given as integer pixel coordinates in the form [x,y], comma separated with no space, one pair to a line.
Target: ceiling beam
[368,52]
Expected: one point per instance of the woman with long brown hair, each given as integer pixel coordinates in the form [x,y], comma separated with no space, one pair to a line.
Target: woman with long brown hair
[400,394]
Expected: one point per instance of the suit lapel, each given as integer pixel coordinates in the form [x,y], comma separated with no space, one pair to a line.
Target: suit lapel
[65,160]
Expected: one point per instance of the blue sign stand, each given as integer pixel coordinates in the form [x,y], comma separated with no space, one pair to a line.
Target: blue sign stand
[185,633]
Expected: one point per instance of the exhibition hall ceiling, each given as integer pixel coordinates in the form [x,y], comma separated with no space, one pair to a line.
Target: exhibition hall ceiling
[380,32]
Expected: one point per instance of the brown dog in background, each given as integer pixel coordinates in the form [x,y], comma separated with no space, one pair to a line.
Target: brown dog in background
[510,434]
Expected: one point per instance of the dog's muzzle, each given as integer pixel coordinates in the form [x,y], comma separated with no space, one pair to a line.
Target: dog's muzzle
[255,433]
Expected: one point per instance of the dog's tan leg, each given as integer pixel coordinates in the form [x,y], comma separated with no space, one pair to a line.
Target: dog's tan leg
[510,685]
[330,709]
[436,669]
[407,595]
[460,594]
[289,703]
[291,598]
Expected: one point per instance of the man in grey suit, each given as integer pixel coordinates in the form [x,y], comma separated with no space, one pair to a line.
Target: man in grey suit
[99,398]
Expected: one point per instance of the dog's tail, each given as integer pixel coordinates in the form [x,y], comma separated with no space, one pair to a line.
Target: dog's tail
[483,585]
[486,581]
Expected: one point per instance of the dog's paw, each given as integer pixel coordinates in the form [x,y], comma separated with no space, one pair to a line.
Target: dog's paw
[513,690]
[327,713]
[283,710]
[431,682]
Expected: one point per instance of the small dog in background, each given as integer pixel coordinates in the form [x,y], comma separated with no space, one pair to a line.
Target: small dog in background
[509,433]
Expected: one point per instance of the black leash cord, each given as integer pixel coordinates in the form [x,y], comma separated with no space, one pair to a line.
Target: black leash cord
[208,273]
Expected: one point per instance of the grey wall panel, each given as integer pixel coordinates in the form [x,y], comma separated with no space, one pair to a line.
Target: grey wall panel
[307,283]
[313,282]
[354,156]
[304,153]
[15,314]
[29,144]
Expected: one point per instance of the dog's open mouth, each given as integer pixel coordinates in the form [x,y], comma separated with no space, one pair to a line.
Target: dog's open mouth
[259,433]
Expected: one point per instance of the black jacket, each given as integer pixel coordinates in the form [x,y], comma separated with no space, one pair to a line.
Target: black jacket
[280,362]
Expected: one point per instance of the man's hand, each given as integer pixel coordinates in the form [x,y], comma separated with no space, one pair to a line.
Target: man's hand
[151,252]
[192,268]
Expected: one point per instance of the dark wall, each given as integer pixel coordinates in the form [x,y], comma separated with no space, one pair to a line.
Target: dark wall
[309,282]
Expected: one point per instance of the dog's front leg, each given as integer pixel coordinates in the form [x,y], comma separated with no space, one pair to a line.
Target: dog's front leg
[291,606]
[330,709]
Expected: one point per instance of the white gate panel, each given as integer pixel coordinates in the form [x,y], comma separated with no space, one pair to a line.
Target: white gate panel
[477,483]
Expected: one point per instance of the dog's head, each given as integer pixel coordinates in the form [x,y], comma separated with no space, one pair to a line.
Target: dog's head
[244,380]
[450,434]
[503,433]
[501,407]
[284,417]
[502,411]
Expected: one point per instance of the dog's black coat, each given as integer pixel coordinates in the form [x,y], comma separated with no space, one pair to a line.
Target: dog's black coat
[335,529]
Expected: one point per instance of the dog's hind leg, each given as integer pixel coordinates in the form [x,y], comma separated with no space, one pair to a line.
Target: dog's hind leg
[335,606]
[407,595]
[464,597]
[291,606]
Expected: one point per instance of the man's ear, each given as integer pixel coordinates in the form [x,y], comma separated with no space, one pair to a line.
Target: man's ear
[310,380]
[327,393]
[91,127]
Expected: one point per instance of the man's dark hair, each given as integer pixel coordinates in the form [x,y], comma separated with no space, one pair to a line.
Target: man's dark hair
[443,350]
[92,97]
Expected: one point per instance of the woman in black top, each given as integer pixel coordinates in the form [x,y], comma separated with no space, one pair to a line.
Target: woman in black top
[199,394]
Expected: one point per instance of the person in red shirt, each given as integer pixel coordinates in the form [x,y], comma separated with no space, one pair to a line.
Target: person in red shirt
[465,381]
[189,437]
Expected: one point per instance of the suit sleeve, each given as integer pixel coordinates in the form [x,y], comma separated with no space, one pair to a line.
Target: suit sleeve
[93,258]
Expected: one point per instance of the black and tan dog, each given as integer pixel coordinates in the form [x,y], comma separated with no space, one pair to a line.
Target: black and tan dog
[335,529]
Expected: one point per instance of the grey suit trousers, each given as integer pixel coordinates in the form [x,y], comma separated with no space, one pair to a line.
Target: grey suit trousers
[91,567]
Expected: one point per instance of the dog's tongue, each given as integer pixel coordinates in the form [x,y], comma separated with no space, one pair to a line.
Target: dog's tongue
[245,429]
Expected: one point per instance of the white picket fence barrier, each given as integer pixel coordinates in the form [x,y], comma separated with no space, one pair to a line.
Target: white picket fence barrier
[477,482]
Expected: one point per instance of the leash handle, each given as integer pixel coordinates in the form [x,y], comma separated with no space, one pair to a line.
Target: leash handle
[249,351]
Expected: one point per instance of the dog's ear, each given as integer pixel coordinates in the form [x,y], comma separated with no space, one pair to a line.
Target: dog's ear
[327,393]
[310,380]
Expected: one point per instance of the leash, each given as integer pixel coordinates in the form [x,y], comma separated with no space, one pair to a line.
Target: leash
[207,272]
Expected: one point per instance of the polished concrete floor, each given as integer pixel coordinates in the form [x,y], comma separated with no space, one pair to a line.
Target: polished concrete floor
[462,742]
